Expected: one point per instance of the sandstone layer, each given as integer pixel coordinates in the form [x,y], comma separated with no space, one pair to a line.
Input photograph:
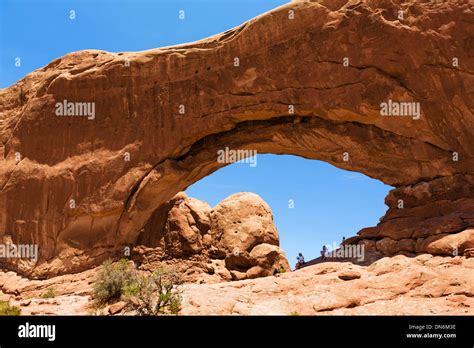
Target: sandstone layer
[400,285]
[310,80]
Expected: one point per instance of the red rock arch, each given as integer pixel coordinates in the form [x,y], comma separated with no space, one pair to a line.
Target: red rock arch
[49,160]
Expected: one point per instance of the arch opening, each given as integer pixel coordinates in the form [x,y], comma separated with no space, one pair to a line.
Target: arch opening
[313,203]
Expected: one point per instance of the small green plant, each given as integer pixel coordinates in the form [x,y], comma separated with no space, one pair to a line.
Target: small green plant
[49,293]
[294,313]
[281,270]
[111,281]
[7,309]
[156,294]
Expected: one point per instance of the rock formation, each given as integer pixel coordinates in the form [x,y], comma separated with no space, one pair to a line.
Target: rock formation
[399,285]
[308,79]
[424,285]
[235,240]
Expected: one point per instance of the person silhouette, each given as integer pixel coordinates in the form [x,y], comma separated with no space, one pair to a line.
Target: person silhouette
[300,262]
[323,251]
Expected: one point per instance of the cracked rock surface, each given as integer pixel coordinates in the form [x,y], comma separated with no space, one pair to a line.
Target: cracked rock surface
[400,285]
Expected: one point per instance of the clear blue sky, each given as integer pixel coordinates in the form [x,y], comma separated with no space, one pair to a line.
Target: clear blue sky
[38,31]
[329,202]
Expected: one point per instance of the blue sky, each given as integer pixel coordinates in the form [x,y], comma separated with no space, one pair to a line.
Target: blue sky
[40,31]
[328,202]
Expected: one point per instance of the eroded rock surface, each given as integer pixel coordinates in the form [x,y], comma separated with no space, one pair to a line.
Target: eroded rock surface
[83,189]
[400,285]
[236,239]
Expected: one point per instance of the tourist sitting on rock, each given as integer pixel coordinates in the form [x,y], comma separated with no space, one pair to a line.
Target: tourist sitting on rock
[300,262]
[323,252]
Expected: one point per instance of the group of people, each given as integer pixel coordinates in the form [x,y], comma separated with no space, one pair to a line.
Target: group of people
[300,258]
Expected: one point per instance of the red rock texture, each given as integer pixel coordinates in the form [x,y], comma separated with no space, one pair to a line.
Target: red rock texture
[161,116]
[400,285]
[236,239]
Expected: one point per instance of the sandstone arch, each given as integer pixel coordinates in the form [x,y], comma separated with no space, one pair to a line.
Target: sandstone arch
[49,160]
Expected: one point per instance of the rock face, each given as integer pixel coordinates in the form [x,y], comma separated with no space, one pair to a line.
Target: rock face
[230,241]
[208,245]
[181,227]
[312,80]
[400,285]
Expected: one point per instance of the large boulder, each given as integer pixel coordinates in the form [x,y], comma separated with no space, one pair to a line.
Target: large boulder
[267,259]
[186,226]
[244,234]
[240,222]
[237,239]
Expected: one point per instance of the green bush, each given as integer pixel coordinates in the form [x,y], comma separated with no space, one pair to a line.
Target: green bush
[111,281]
[156,294]
[7,309]
[49,293]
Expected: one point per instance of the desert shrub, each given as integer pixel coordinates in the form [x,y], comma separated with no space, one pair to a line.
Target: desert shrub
[7,309]
[156,294]
[49,293]
[111,281]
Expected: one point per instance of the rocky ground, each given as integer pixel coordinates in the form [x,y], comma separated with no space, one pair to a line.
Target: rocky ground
[400,285]
[393,286]
[227,256]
